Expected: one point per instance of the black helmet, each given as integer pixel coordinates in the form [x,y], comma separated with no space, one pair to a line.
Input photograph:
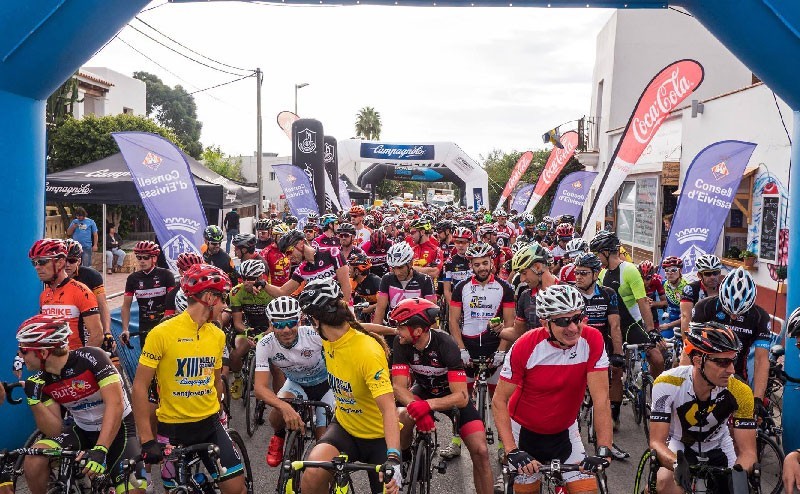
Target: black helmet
[319,296]
[212,233]
[74,248]
[346,228]
[263,224]
[604,241]
[588,260]
[290,220]
[244,240]
[566,218]
[290,239]
[710,337]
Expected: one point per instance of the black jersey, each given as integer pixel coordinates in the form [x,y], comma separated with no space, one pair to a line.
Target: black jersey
[326,262]
[433,366]
[368,288]
[456,269]
[91,278]
[526,308]
[694,292]
[420,285]
[150,290]
[752,327]
[223,261]
[602,303]
[378,257]
[263,244]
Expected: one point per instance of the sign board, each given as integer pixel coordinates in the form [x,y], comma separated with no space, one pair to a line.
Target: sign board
[670,173]
[768,236]
[644,225]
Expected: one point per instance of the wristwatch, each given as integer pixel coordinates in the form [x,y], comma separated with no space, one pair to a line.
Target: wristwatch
[604,451]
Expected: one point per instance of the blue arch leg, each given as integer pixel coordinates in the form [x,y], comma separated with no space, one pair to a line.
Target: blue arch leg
[791,395]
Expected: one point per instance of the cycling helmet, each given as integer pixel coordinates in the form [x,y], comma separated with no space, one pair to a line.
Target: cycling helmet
[710,337]
[48,247]
[289,240]
[310,227]
[188,259]
[181,303]
[252,268]
[346,228]
[486,229]
[604,241]
[793,324]
[74,248]
[671,261]
[500,213]
[45,332]
[290,220]
[532,253]
[422,224]
[213,233]
[378,239]
[312,217]
[542,227]
[566,218]
[389,220]
[646,268]
[469,225]
[282,308]
[565,230]
[415,312]
[358,211]
[462,233]
[737,292]
[444,225]
[399,254]
[263,224]
[479,249]
[588,260]
[244,240]
[567,275]
[280,229]
[360,261]
[328,219]
[529,219]
[558,299]
[147,247]
[201,277]
[708,262]
[549,220]
[320,295]
[576,246]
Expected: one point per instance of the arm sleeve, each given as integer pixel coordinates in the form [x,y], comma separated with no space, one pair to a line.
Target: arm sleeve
[508,295]
[104,371]
[763,331]
[130,287]
[296,273]
[598,359]
[427,287]
[451,358]
[456,298]
[613,301]
[663,395]
[513,369]
[264,353]
[384,286]
[400,364]
[153,350]
[688,294]
[375,372]
[87,302]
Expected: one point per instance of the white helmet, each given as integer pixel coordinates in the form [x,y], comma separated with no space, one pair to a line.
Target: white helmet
[708,262]
[576,246]
[558,299]
[252,268]
[737,292]
[399,255]
[181,303]
[283,308]
[43,331]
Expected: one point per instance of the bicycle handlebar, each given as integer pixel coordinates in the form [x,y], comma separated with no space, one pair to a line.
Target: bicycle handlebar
[645,346]
[555,466]
[9,388]
[299,402]
[338,464]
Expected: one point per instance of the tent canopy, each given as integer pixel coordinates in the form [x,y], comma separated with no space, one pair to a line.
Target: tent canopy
[108,181]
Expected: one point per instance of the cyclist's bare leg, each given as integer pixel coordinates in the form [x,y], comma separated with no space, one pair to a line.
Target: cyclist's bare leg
[233,486]
[615,386]
[665,482]
[407,432]
[583,486]
[656,360]
[240,349]
[534,487]
[37,470]
[479,453]
[317,480]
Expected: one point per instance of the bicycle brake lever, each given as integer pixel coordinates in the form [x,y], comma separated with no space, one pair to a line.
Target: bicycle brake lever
[9,387]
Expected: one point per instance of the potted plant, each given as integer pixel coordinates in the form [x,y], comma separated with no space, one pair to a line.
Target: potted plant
[781,272]
[748,258]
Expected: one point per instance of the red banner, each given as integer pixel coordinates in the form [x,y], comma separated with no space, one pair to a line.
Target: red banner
[516,174]
[555,163]
[285,121]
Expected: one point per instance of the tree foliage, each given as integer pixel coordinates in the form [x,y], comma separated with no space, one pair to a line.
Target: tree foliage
[225,165]
[368,124]
[173,108]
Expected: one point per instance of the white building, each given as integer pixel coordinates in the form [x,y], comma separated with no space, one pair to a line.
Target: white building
[631,48]
[102,91]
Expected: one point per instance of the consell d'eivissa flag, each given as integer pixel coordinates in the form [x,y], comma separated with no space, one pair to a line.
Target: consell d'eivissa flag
[571,194]
[519,170]
[521,198]
[555,163]
[663,94]
[298,191]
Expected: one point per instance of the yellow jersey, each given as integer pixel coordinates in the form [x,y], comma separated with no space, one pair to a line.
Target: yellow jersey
[185,358]
[357,373]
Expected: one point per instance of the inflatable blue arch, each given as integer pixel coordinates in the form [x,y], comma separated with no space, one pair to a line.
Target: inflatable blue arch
[42,42]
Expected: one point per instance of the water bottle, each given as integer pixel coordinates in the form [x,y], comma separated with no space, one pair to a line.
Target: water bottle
[203,482]
[637,372]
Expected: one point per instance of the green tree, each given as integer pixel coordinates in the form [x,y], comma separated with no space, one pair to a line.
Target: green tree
[173,108]
[225,165]
[368,124]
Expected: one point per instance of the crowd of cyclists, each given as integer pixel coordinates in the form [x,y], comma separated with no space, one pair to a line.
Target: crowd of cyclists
[381,315]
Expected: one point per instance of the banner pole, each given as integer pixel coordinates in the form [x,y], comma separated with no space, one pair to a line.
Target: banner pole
[259,172]
[103,252]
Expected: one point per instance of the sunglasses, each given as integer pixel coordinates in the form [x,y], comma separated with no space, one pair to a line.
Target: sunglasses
[23,350]
[710,273]
[221,295]
[41,261]
[722,362]
[143,258]
[214,244]
[343,235]
[73,260]
[289,323]
[563,322]
[582,273]
[671,270]
[250,278]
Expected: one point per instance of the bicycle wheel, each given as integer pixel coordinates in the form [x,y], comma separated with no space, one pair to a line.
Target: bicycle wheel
[35,436]
[647,395]
[251,408]
[637,403]
[591,433]
[238,443]
[226,398]
[420,470]
[645,474]
[770,456]
[481,401]
[292,450]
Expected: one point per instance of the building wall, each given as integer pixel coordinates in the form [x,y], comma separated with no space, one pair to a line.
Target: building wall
[271,188]
[127,95]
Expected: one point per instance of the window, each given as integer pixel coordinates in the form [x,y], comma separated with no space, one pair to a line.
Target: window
[636,212]
[127,111]
[271,176]
[625,211]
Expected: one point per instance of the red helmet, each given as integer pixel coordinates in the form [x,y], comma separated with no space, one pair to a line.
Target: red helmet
[42,331]
[188,259]
[671,261]
[646,268]
[201,277]
[147,247]
[378,238]
[565,230]
[567,275]
[358,211]
[462,233]
[48,247]
[74,248]
[415,312]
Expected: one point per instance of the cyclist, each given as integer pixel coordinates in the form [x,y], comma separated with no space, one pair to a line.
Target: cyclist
[674,285]
[327,238]
[213,253]
[291,222]
[400,283]
[311,230]
[184,353]
[278,267]
[506,234]
[264,233]
[248,304]
[89,277]
[365,425]
[623,277]
[366,284]
[85,383]
[457,267]
[184,262]
[564,233]
[149,285]
[444,237]
[377,248]
[530,263]
[297,351]
[541,389]
[709,268]
[362,232]
[692,408]
[654,286]
[347,235]
[528,234]
[65,297]
[428,257]
[431,358]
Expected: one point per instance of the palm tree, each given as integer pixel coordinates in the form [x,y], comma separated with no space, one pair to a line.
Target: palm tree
[368,124]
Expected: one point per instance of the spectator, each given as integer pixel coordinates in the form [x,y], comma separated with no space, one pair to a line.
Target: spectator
[113,251]
[84,231]
[231,226]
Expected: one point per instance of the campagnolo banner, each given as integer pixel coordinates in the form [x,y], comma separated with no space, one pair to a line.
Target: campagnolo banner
[706,197]
[571,194]
[168,192]
[393,152]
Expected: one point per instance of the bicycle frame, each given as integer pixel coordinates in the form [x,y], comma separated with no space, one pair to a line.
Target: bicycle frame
[184,459]
[483,371]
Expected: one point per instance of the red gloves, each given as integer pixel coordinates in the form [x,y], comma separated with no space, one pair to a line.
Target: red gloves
[420,411]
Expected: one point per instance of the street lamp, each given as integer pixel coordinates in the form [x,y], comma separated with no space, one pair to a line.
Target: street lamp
[296,87]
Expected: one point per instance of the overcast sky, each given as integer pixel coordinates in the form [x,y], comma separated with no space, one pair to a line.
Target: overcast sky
[482,78]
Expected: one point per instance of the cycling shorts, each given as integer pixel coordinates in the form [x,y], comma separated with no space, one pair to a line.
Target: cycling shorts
[319,392]
[468,420]
[365,450]
[566,446]
[635,334]
[720,455]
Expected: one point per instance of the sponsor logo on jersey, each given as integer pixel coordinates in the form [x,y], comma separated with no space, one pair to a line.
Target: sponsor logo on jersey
[195,366]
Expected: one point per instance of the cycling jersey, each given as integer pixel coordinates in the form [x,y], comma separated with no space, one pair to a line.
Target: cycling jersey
[150,289]
[326,242]
[752,327]
[456,269]
[73,301]
[420,285]
[504,234]
[77,387]
[551,381]
[655,286]
[700,424]
[362,236]
[169,302]
[221,260]
[324,265]
[427,254]
[302,363]
[602,303]
[92,279]
[346,253]
[526,308]
[252,306]
[278,265]
[368,288]
[557,252]
[357,374]
[433,367]
[479,303]
[263,244]
[377,256]
[673,294]
[185,358]
[694,292]
[629,285]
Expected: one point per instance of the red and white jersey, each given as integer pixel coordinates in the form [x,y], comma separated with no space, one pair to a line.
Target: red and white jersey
[551,381]
[362,236]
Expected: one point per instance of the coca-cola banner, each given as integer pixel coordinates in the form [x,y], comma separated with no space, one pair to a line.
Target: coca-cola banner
[521,198]
[308,155]
[519,169]
[555,163]
[668,89]
[285,121]
[571,194]
[707,194]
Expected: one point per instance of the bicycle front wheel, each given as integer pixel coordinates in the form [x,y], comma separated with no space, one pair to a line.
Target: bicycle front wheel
[251,402]
[289,482]
[647,399]
[770,457]
[420,470]
[238,444]
[645,474]
[481,402]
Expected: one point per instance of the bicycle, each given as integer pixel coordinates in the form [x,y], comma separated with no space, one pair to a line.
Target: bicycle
[299,442]
[638,383]
[552,481]
[423,450]
[480,393]
[704,477]
[586,414]
[68,478]
[341,469]
[253,407]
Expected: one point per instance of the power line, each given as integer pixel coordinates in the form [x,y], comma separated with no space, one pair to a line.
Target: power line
[154,7]
[187,48]
[223,84]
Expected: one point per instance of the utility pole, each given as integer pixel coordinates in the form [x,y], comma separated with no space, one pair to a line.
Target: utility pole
[259,176]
